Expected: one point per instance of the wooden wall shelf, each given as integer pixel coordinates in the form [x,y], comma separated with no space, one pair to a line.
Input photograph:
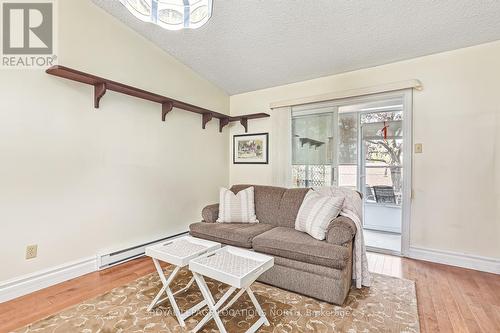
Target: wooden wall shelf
[101,85]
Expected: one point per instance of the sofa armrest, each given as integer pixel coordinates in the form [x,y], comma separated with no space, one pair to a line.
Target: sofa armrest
[341,231]
[210,213]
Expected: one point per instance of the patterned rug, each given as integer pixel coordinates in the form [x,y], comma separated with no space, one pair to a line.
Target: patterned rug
[390,305]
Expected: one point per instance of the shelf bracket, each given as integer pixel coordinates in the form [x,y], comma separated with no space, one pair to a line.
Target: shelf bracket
[166,107]
[244,123]
[206,117]
[99,91]
[223,122]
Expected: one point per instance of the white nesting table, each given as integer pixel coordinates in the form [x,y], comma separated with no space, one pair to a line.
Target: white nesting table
[236,267]
[177,252]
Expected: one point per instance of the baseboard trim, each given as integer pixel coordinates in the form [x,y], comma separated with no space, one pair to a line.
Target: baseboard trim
[29,283]
[479,263]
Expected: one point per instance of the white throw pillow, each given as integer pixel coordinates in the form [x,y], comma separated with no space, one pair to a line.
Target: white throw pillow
[316,213]
[238,207]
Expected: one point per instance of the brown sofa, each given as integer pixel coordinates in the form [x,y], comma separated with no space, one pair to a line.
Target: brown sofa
[320,269]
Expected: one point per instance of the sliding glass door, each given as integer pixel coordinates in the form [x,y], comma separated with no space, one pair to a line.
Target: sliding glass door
[358,144]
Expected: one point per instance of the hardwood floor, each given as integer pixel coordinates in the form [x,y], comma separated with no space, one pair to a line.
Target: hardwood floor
[450,299]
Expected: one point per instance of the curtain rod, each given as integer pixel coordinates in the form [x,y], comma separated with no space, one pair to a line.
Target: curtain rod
[387,87]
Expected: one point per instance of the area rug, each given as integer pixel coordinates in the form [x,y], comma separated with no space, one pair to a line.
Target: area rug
[390,305]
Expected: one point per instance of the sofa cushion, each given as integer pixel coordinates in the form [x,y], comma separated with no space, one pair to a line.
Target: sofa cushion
[276,205]
[292,244]
[237,234]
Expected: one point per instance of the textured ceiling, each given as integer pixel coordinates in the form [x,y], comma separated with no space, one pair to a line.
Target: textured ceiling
[255,44]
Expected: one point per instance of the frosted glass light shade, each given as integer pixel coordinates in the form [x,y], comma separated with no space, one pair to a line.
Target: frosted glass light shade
[171,14]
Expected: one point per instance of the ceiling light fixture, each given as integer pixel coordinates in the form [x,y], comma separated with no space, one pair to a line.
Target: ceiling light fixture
[171,14]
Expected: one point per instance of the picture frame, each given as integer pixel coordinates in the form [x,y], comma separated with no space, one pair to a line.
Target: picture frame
[251,148]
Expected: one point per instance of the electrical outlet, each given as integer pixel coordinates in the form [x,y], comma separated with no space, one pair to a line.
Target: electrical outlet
[31,251]
[418,148]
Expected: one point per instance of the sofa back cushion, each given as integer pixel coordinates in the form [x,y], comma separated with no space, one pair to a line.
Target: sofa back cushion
[277,206]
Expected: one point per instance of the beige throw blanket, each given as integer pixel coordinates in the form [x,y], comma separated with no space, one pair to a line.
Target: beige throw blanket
[353,209]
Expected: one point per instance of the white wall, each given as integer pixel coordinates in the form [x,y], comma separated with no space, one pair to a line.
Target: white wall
[76,180]
[457,117]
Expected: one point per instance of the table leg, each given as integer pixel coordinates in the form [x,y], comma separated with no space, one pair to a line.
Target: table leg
[261,312]
[216,308]
[165,282]
[157,300]
[166,289]
[171,296]
[173,303]
[211,304]
[219,303]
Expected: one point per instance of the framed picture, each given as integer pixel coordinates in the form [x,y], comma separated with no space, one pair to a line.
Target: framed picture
[251,148]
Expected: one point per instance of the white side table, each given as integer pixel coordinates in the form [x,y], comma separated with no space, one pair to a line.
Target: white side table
[177,252]
[236,267]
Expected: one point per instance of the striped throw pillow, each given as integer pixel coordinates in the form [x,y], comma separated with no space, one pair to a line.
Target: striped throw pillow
[238,207]
[316,213]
